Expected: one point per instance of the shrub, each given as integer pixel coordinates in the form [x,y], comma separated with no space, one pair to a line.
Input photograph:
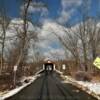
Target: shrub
[83,76]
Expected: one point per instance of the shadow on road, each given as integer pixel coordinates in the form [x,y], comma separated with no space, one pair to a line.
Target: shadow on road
[49,86]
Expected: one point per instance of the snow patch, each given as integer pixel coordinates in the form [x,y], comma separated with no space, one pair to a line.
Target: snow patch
[89,87]
[94,87]
[58,71]
[17,89]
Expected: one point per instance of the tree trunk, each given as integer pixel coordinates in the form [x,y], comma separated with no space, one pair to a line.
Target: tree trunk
[2,51]
[85,57]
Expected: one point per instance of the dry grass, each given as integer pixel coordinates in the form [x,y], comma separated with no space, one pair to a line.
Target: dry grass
[96,78]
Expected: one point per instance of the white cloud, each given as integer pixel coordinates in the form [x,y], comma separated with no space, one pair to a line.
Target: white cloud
[68,8]
[36,7]
[51,28]
[48,38]
[68,3]
[16,27]
[64,17]
[55,54]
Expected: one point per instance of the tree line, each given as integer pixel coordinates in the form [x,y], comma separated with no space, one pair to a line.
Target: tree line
[14,48]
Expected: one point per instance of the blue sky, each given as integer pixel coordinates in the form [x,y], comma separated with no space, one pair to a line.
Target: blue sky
[63,12]
[55,8]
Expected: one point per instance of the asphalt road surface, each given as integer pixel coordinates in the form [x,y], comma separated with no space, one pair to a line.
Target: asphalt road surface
[51,87]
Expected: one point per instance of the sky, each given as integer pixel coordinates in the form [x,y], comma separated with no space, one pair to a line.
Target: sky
[58,14]
[63,11]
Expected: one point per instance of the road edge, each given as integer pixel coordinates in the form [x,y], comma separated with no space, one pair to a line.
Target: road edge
[75,83]
[16,90]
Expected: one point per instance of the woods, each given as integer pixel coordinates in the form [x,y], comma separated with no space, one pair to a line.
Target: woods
[20,38]
[17,37]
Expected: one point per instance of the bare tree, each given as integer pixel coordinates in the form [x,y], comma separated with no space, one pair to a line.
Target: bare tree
[94,36]
[70,43]
[4,22]
[25,36]
[24,33]
[82,33]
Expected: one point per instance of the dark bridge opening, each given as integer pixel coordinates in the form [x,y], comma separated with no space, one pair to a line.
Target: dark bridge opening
[49,66]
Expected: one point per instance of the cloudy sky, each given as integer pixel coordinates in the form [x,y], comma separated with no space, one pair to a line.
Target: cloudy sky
[57,15]
[62,11]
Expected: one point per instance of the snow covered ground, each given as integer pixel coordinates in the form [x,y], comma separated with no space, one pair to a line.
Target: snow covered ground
[94,87]
[90,87]
[17,89]
[58,71]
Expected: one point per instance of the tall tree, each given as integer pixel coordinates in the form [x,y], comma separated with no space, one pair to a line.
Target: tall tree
[4,22]
[25,34]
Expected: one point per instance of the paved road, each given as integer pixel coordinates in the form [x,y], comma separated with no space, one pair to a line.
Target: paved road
[51,87]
